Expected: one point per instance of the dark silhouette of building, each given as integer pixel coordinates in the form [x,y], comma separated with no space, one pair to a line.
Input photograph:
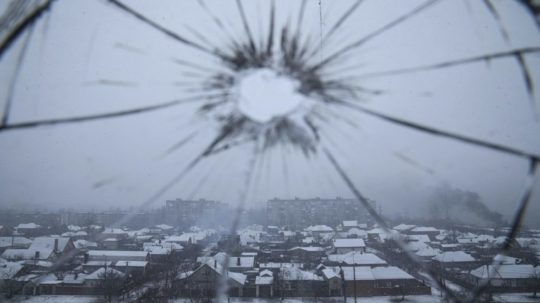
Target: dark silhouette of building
[186,213]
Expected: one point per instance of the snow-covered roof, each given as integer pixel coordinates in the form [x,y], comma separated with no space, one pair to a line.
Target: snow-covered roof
[280,265]
[416,246]
[357,258]
[186,237]
[390,273]
[427,252]
[157,250]
[328,273]
[131,263]
[84,244]
[24,254]
[308,240]
[46,243]
[295,274]
[350,223]
[419,238]
[357,232]
[454,256]
[349,243]
[319,228]
[8,270]
[422,229]
[264,280]
[374,273]
[466,240]
[234,262]
[308,248]
[219,269]
[117,253]
[73,228]
[507,260]
[98,263]
[114,231]
[74,278]
[266,273]
[402,227]
[514,271]
[27,226]
[358,273]
[99,273]
[238,277]
[164,226]
[15,241]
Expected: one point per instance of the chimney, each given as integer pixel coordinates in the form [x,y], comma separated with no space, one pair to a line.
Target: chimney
[238,261]
[215,263]
[36,255]
[55,245]
[85,258]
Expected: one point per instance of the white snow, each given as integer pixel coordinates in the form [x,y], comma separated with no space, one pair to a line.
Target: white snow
[55,299]
[357,258]
[454,256]
[349,243]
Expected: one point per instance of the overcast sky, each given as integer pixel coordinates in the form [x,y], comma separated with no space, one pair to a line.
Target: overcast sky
[83,47]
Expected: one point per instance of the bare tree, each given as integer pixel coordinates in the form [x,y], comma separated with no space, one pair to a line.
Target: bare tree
[111,282]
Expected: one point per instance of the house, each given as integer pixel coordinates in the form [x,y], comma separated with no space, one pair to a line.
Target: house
[381,281]
[432,232]
[114,233]
[235,264]
[404,228]
[8,272]
[117,255]
[418,237]
[29,229]
[426,254]
[203,281]
[84,245]
[334,281]
[349,224]
[264,284]
[131,267]
[295,282]
[42,248]
[507,277]
[455,259]
[82,284]
[319,230]
[355,258]
[14,242]
[307,254]
[95,278]
[91,266]
[357,233]
[342,246]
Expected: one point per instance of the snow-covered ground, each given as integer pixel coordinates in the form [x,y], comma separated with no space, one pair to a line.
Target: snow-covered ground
[54,299]
[408,299]
[517,297]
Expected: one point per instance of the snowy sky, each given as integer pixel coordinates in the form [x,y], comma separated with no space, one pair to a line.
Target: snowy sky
[90,57]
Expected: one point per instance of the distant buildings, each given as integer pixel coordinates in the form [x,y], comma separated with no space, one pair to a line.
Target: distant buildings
[185,213]
[299,213]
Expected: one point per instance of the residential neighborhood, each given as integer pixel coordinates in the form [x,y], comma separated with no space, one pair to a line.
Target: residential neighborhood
[352,259]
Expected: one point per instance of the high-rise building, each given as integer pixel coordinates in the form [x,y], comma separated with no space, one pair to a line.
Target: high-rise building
[186,213]
[299,213]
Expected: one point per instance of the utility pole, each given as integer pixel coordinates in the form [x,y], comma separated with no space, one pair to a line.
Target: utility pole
[354,276]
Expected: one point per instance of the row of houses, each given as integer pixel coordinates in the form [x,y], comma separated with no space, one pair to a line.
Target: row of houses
[292,280]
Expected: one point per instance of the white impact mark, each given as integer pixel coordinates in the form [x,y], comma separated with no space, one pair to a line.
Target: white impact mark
[265,94]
